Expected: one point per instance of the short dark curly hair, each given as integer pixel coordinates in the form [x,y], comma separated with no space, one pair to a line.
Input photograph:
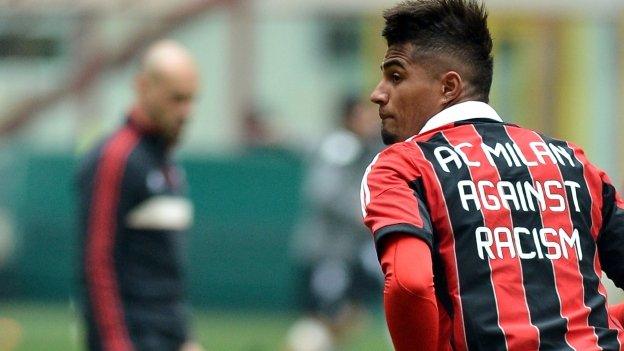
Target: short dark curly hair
[450,28]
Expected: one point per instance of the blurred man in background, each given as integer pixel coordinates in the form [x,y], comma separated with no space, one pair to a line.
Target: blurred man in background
[134,214]
[338,264]
[490,236]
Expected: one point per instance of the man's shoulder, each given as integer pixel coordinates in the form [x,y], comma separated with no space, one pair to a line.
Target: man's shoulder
[393,153]
[398,158]
[546,138]
[408,151]
[109,154]
[402,148]
[120,144]
[115,148]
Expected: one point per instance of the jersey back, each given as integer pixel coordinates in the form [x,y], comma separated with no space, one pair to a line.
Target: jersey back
[513,219]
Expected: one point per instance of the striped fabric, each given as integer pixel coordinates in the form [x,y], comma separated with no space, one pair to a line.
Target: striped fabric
[101,274]
[520,225]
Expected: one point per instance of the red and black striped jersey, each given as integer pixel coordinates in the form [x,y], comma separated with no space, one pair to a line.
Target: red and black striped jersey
[520,225]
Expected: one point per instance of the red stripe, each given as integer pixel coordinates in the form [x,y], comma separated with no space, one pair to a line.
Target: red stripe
[440,219]
[568,278]
[513,310]
[614,324]
[101,276]
[594,186]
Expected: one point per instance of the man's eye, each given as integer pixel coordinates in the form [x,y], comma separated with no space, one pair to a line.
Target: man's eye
[395,78]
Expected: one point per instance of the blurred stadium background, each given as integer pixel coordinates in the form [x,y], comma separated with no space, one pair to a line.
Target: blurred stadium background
[273,73]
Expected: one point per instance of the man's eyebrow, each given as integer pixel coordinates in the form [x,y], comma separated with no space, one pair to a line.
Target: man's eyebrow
[392,62]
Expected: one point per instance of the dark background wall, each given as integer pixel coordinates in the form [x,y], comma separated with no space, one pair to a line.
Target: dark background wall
[245,210]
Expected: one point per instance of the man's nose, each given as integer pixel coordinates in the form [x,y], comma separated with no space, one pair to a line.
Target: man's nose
[378,96]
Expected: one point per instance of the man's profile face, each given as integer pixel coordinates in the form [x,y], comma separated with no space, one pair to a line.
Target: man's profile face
[407,95]
[168,100]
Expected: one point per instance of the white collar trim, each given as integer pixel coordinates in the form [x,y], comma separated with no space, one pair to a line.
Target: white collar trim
[461,112]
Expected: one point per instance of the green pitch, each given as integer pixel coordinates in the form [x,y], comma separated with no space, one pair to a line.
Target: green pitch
[54,327]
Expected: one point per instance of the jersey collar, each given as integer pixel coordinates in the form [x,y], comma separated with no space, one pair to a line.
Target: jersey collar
[461,112]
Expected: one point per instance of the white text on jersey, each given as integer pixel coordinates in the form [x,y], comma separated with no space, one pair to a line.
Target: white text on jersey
[501,242]
[543,153]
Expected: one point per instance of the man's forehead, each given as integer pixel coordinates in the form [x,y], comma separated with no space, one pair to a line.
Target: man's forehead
[402,53]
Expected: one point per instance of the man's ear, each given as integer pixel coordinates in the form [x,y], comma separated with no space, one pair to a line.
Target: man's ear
[452,86]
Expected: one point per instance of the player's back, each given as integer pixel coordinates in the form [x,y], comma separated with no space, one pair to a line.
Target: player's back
[515,217]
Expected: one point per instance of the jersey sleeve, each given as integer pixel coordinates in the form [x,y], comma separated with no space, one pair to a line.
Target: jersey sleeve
[392,200]
[410,303]
[107,190]
[611,238]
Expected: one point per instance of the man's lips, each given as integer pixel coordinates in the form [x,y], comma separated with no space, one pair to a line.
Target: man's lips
[384,115]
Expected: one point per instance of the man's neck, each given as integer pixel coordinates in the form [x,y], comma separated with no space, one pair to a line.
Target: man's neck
[465,98]
[141,119]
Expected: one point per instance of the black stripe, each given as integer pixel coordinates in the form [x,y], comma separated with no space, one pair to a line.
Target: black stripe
[405,228]
[538,274]
[423,210]
[477,294]
[439,279]
[582,220]
[610,239]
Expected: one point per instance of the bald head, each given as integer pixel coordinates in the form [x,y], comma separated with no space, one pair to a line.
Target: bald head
[168,58]
[166,85]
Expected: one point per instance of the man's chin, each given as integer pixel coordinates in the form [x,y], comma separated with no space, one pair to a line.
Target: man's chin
[389,138]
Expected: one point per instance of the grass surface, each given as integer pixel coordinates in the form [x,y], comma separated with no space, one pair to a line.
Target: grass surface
[54,327]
